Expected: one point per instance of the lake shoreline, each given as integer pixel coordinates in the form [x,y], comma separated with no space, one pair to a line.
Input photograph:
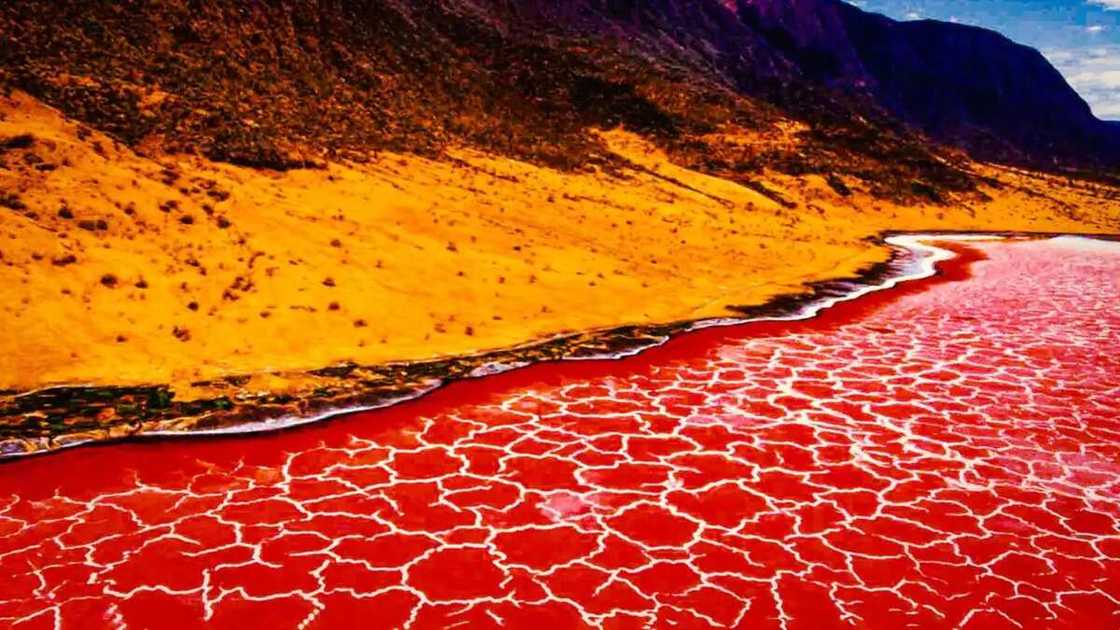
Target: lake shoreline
[55,418]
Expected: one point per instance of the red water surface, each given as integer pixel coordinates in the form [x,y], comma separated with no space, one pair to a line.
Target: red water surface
[947,455]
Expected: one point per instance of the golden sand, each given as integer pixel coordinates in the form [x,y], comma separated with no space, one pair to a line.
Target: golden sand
[198,270]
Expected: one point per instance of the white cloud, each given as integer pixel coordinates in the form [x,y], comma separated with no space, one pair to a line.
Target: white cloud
[1109,5]
[1109,79]
[1094,73]
[1095,28]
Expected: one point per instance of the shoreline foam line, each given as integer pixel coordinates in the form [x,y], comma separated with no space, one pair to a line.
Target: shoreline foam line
[913,258]
[922,264]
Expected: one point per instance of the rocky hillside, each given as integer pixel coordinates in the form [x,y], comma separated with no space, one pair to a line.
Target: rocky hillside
[963,85]
[290,83]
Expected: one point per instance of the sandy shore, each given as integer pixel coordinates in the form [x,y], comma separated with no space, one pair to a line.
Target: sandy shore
[55,418]
[128,270]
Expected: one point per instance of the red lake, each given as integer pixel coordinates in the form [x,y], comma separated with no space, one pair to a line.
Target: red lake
[945,453]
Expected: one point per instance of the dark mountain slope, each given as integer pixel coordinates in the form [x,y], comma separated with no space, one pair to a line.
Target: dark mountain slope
[285,83]
[960,84]
[248,82]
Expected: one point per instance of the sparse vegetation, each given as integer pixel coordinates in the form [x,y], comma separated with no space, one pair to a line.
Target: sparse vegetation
[19,141]
[507,91]
[11,201]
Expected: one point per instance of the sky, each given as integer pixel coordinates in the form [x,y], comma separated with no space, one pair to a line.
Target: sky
[1080,37]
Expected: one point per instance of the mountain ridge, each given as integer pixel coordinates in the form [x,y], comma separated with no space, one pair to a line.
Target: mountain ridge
[961,84]
[283,84]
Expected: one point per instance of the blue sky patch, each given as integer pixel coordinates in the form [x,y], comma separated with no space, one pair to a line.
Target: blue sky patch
[1080,37]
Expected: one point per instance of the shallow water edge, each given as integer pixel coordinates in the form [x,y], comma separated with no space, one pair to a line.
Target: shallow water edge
[53,418]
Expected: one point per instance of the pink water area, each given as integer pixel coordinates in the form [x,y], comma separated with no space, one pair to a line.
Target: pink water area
[947,455]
